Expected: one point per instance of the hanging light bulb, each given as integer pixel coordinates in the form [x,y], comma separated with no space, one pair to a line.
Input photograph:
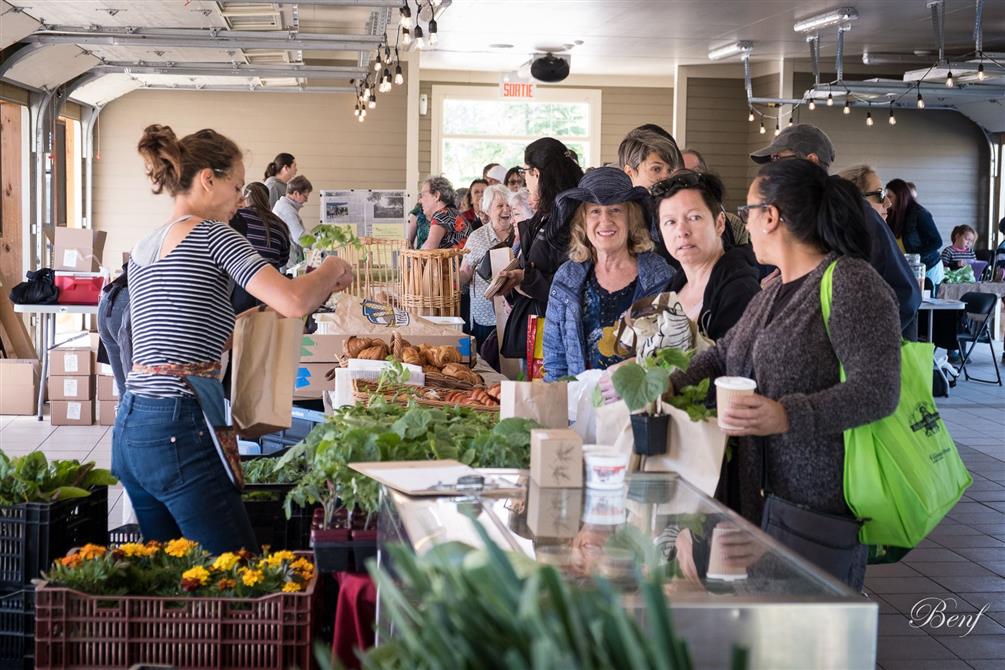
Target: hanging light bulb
[406,36]
[778,129]
[406,16]
[433,38]
[373,103]
[949,80]
[980,72]
[791,122]
[813,104]
[921,101]
[419,42]
[399,78]
[362,113]
[367,92]
[376,62]
[356,111]
[868,119]
[892,120]
[385,81]
[750,116]
[847,107]
[762,130]
[830,100]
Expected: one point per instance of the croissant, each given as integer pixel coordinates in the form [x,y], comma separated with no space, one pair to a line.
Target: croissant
[461,372]
[412,356]
[429,369]
[354,345]
[444,355]
[377,352]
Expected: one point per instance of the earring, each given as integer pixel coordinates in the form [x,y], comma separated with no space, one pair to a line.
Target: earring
[764,230]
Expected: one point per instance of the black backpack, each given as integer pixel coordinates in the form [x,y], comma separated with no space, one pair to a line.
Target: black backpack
[40,289]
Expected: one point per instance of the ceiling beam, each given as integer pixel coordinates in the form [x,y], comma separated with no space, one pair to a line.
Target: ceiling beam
[322,3]
[246,89]
[228,70]
[202,39]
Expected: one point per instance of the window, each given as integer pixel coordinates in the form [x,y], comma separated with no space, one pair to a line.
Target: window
[473,126]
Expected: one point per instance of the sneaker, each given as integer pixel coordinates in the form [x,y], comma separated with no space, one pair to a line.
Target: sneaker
[955,358]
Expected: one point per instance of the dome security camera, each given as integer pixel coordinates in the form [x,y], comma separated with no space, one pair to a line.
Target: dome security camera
[550,68]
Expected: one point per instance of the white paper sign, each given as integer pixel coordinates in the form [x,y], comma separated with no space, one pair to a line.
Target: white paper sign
[71,363]
[70,257]
[70,390]
[73,410]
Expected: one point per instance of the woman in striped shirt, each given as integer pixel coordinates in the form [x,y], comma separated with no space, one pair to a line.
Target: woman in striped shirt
[182,320]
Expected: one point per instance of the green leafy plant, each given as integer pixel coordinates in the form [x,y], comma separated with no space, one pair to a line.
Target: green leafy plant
[460,607]
[328,237]
[32,478]
[691,399]
[395,374]
[643,384]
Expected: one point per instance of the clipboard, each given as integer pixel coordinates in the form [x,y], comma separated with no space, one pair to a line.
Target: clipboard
[499,281]
[433,478]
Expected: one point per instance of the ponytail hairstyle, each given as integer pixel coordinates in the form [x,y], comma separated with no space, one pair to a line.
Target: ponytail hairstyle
[896,216]
[558,169]
[278,163]
[823,211]
[257,195]
[172,164]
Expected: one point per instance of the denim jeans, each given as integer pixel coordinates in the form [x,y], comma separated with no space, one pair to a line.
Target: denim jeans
[164,456]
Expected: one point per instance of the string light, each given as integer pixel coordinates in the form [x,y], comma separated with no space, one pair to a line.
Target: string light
[399,78]
[949,80]
[419,42]
[830,100]
[433,38]
[406,36]
[373,102]
[847,107]
[376,63]
[813,104]
[892,120]
[778,129]
[980,71]
[406,16]
[921,101]
[791,122]
[762,131]
[750,116]
[868,118]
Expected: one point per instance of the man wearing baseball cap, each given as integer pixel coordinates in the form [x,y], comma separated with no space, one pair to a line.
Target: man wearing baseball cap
[805,141]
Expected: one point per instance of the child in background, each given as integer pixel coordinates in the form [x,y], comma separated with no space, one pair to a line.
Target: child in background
[962,249]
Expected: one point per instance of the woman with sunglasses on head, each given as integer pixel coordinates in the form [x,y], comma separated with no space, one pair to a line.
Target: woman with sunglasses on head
[803,221]
[718,279]
[870,186]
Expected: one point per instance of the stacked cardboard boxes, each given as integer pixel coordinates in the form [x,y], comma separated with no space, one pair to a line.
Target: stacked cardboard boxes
[71,386]
[108,396]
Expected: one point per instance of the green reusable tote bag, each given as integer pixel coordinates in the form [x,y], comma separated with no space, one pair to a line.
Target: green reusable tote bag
[902,474]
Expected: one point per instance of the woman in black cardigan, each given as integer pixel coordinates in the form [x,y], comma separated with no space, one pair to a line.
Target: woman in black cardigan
[914,228]
[718,280]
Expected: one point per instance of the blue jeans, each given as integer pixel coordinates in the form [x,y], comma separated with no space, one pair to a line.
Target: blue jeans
[164,456]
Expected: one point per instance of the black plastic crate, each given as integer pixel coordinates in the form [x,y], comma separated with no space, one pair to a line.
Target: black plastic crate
[264,503]
[125,534]
[17,629]
[32,535]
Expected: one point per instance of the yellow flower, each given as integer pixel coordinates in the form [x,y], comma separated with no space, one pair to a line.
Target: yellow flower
[198,574]
[89,551]
[291,587]
[251,577]
[302,565]
[225,561]
[136,550]
[180,547]
[276,559]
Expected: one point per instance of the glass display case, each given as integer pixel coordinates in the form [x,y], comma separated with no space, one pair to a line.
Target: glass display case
[727,582]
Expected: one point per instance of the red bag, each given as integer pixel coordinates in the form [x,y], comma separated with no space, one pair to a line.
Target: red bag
[535,347]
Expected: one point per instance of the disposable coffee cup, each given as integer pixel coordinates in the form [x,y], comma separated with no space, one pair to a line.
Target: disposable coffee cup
[727,388]
[719,568]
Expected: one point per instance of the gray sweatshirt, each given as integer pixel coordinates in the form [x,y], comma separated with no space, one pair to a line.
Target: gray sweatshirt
[795,362]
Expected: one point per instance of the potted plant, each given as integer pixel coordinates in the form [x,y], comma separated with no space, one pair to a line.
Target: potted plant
[642,386]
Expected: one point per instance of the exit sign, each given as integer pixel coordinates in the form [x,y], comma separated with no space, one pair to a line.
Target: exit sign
[516,89]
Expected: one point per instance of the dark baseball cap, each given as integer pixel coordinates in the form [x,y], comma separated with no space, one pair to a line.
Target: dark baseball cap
[801,138]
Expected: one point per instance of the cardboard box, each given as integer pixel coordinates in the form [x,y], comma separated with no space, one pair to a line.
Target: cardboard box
[311,380]
[105,370]
[320,348]
[18,385]
[556,458]
[77,249]
[106,412]
[553,513]
[71,413]
[71,361]
[71,387]
[107,389]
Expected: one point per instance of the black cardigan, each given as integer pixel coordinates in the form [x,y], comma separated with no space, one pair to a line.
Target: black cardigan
[731,286]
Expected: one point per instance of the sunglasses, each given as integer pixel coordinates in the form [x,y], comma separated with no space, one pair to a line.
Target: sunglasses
[743,211]
[680,180]
[880,195]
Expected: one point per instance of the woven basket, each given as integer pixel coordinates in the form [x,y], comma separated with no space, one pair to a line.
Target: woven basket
[363,389]
[375,268]
[431,281]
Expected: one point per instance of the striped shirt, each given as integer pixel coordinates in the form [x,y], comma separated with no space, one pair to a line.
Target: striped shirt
[274,246]
[179,306]
[951,256]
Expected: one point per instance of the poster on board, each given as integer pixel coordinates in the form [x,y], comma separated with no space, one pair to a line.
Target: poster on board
[376,213]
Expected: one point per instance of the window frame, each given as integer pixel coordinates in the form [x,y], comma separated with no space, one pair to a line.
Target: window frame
[440,93]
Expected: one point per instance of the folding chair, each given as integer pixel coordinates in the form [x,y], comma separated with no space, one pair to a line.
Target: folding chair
[978,330]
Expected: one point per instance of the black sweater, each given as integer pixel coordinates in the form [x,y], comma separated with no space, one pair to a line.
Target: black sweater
[731,286]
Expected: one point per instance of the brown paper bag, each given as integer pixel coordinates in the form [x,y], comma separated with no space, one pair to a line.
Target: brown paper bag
[548,404]
[265,359]
[694,450]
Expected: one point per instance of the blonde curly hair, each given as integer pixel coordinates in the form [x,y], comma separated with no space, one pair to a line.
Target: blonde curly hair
[639,240]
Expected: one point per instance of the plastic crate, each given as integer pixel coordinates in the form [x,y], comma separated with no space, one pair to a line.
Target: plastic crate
[33,534]
[77,631]
[17,629]
[125,534]
[268,518]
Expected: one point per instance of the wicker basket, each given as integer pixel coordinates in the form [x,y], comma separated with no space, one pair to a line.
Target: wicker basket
[375,267]
[431,281]
[363,389]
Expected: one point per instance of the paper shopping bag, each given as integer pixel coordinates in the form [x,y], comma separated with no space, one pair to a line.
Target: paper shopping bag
[614,429]
[694,450]
[546,403]
[265,358]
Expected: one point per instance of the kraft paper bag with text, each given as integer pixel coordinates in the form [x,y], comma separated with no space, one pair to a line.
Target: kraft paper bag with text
[548,404]
[265,359]
[694,450]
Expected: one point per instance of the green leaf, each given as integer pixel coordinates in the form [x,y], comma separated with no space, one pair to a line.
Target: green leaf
[640,387]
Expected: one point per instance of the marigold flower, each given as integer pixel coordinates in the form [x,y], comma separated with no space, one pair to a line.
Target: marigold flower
[71,561]
[225,584]
[180,548]
[302,565]
[135,550]
[276,559]
[190,585]
[91,551]
[251,577]
[198,573]
[291,587]
[225,561]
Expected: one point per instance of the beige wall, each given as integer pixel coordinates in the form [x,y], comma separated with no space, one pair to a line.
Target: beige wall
[332,148]
[717,127]
[622,109]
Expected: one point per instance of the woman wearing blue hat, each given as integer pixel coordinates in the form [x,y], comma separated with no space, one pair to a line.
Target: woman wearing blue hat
[611,265]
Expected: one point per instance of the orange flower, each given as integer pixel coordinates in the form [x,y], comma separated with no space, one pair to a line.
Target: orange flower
[180,547]
[226,584]
[71,561]
[91,551]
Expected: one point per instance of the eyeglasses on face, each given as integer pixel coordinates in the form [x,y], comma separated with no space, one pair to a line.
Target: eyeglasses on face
[743,211]
[880,195]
